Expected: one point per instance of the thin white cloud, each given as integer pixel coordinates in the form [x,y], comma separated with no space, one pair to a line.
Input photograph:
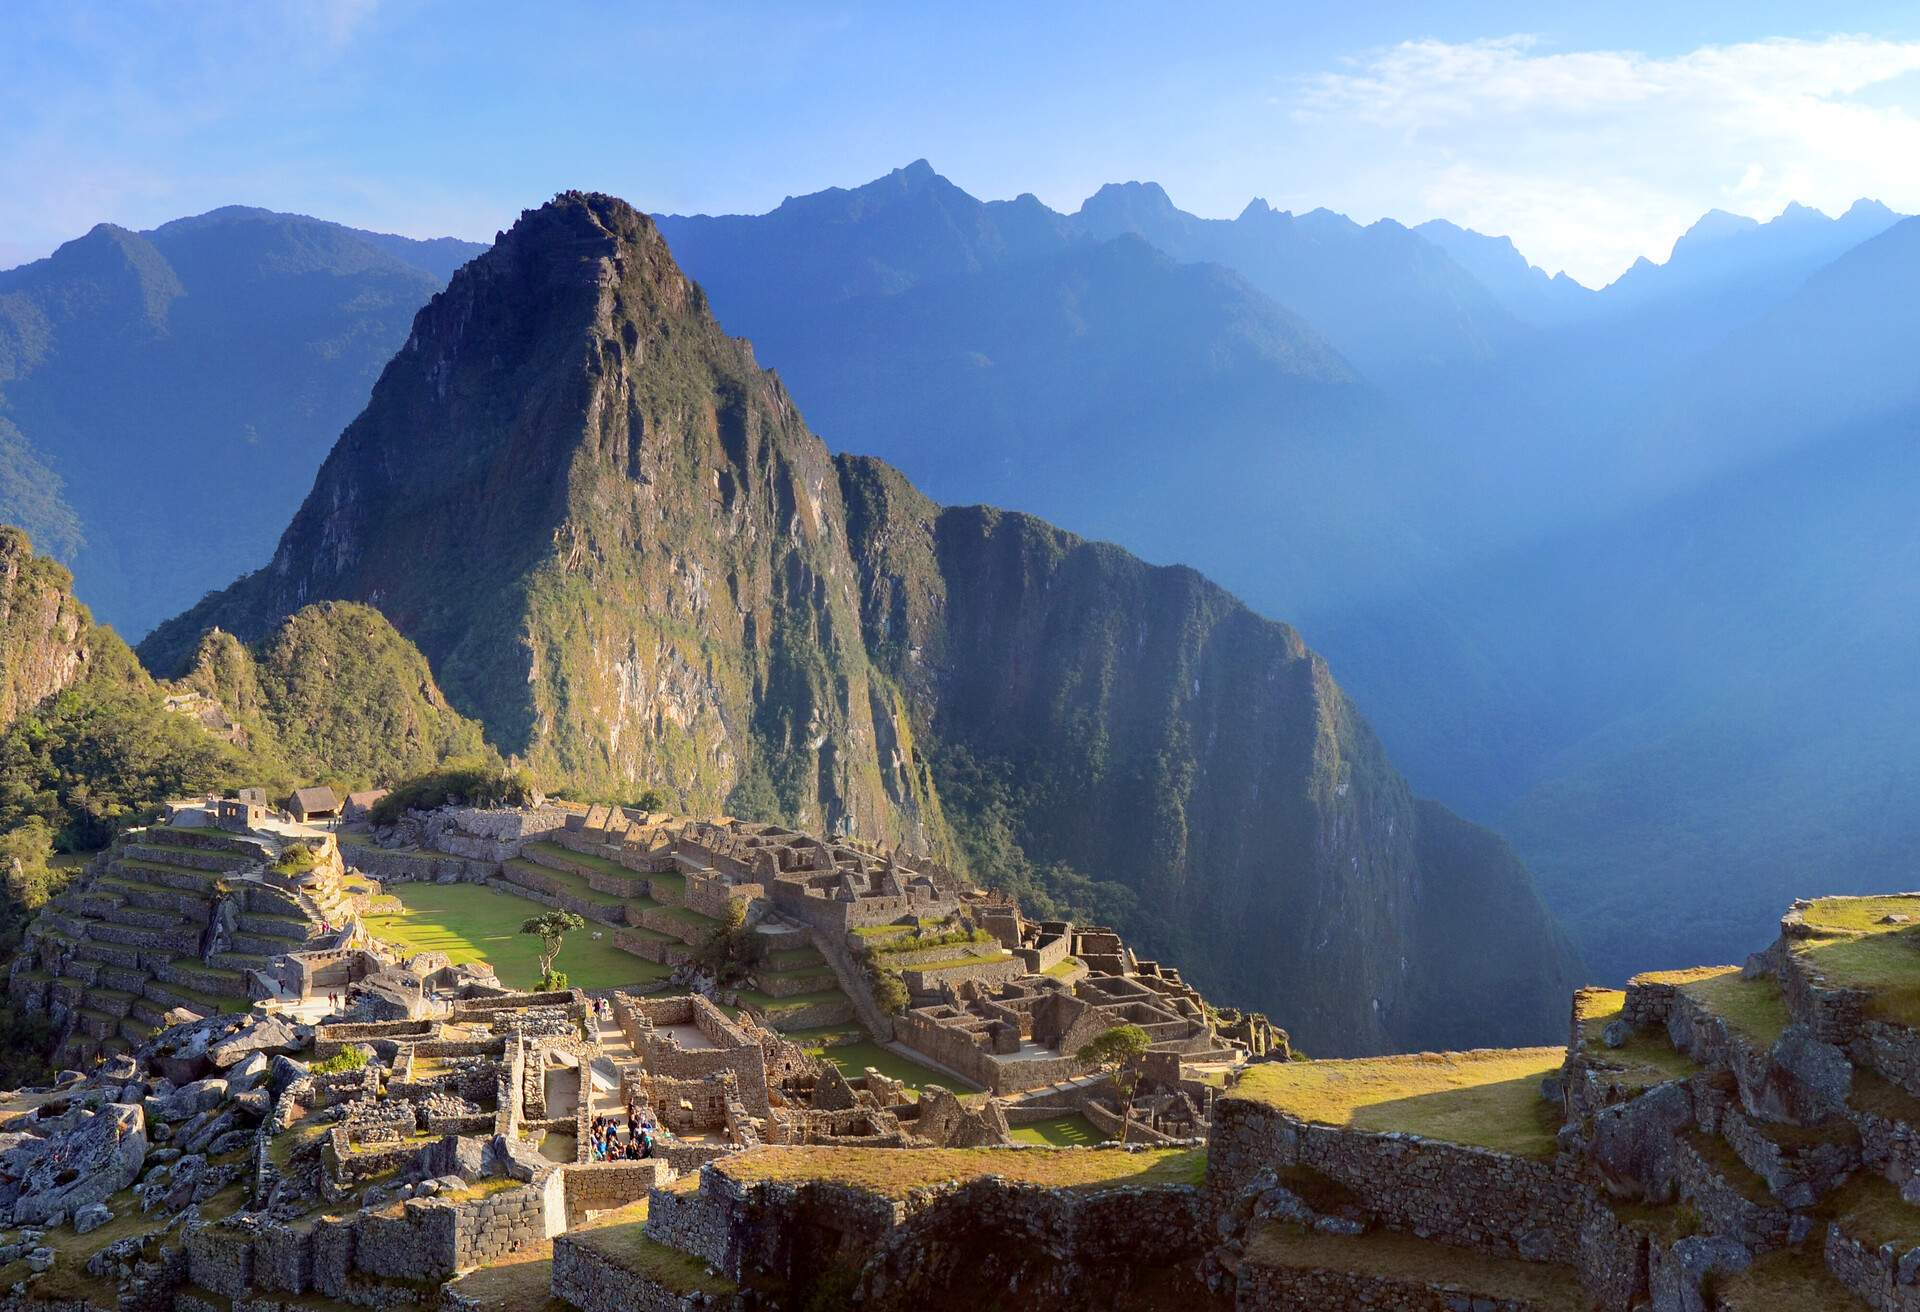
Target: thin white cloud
[1590,159]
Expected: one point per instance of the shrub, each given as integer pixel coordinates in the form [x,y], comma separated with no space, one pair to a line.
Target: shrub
[296,859]
[353,1057]
[889,990]
[732,950]
[552,982]
[458,783]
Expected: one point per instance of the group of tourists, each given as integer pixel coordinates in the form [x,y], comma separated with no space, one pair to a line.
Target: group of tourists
[608,1146]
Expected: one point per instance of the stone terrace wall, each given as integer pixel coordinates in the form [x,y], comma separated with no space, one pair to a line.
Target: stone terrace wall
[1491,1202]
[1049,1244]
[594,1283]
[602,1186]
[404,866]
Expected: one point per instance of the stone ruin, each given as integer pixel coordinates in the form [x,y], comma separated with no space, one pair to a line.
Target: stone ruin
[176,920]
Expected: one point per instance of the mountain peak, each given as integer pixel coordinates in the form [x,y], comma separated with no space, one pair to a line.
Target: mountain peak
[1795,212]
[1715,225]
[1136,199]
[1256,208]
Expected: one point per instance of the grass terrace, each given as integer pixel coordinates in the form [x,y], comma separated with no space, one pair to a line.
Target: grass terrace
[576,886]
[892,1173]
[1752,1007]
[854,1058]
[1860,915]
[1645,1059]
[1726,1163]
[591,862]
[471,922]
[1788,1280]
[774,1006]
[1074,1131]
[1487,1099]
[1390,1255]
[1883,962]
[620,1237]
[1869,1209]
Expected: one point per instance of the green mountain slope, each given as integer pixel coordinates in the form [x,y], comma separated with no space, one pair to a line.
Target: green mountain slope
[622,550]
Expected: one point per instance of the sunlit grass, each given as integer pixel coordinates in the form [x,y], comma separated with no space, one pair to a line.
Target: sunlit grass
[893,1172]
[1073,1131]
[470,922]
[1488,1098]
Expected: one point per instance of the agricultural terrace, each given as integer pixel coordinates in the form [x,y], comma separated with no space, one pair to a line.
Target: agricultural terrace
[471,922]
[892,1173]
[1871,944]
[1753,1007]
[1488,1098]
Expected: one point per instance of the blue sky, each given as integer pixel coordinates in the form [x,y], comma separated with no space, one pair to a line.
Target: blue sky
[1590,133]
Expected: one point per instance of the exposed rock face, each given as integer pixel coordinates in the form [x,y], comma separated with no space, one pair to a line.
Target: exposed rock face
[44,632]
[96,1154]
[620,548]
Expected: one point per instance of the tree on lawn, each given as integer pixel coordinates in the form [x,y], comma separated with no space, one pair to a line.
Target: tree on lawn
[552,928]
[1121,1047]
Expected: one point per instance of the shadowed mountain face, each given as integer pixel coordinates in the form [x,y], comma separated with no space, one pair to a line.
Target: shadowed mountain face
[620,547]
[165,396]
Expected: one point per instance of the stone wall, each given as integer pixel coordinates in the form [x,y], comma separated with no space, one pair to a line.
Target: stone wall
[407,866]
[1059,1248]
[710,895]
[601,1186]
[987,974]
[593,1282]
[1494,1203]
[958,1052]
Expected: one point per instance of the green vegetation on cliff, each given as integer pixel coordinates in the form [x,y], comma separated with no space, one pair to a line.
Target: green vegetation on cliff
[334,692]
[105,752]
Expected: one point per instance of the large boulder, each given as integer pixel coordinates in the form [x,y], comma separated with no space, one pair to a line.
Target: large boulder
[98,1155]
[247,1072]
[91,1218]
[284,1071]
[1677,1275]
[1818,1076]
[1633,1142]
[187,1101]
[270,1036]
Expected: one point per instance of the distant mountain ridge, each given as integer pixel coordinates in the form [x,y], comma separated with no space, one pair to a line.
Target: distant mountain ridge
[620,547]
[165,394]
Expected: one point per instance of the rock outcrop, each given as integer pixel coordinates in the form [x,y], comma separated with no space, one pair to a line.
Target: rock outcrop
[44,632]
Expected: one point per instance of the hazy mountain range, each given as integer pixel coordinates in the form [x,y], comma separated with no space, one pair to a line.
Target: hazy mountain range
[165,396]
[1620,571]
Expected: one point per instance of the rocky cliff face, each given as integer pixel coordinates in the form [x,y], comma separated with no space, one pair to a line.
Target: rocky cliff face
[44,632]
[620,548]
